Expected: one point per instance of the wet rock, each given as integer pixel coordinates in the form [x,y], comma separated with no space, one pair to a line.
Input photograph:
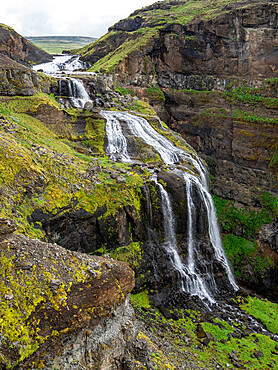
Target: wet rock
[269,233]
[233,355]
[165,312]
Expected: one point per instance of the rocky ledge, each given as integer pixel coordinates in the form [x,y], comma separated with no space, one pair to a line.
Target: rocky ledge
[59,307]
[16,79]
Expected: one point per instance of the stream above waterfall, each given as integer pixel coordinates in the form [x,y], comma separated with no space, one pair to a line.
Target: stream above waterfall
[63,64]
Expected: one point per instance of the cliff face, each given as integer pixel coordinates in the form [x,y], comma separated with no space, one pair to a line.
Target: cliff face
[210,71]
[230,47]
[19,49]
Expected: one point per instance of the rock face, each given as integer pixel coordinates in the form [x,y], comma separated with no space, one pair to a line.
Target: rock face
[238,154]
[210,70]
[15,79]
[19,49]
[75,307]
[231,48]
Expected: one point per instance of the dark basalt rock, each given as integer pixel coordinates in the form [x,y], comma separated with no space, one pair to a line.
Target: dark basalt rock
[128,25]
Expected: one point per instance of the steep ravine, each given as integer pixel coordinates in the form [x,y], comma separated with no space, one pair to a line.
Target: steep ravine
[212,77]
[70,310]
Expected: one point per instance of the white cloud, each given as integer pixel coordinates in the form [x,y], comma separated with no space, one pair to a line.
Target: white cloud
[61,17]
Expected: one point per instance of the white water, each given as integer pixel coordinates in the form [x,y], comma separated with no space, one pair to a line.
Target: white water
[77,93]
[214,233]
[117,144]
[190,281]
[61,64]
[171,155]
[67,64]
[195,284]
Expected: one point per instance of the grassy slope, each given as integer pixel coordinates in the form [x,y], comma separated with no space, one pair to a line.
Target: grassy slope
[41,170]
[56,44]
[153,21]
[185,348]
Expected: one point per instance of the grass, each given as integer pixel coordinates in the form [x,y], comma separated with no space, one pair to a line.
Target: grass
[180,336]
[263,310]
[41,170]
[56,44]
[243,221]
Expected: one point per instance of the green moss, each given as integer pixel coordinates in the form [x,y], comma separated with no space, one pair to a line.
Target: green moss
[142,107]
[155,93]
[95,134]
[239,251]
[131,253]
[263,310]
[249,117]
[124,91]
[140,300]
[274,159]
[252,96]
[113,58]
[241,221]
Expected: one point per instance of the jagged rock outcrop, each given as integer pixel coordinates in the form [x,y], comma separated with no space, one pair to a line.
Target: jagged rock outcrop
[16,79]
[62,309]
[20,49]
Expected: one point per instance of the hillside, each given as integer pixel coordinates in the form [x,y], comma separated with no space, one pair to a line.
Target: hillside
[147,26]
[58,44]
[110,250]
[19,49]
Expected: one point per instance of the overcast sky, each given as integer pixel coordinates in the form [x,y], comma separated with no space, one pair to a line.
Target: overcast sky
[65,17]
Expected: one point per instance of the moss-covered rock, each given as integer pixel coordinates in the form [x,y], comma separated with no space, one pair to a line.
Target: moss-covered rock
[48,293]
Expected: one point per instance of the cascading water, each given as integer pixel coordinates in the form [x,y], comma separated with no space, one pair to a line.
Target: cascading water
[192,280]
[117,144]
[76,92]
[190,167]
[61,64]
[69,87]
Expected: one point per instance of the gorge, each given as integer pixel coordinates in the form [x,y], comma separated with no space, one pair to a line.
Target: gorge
[93,185]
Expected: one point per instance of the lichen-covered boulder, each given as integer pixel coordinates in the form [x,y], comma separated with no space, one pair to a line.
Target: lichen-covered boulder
[54,300]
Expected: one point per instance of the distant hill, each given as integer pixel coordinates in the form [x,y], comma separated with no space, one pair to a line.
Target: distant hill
[56,44]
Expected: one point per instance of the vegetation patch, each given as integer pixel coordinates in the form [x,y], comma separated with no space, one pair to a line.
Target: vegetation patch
[263,310]
[245,222]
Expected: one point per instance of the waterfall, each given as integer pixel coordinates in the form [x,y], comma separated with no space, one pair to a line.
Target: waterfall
[192,170]
[74,90]
[117,144]
[191,279]
[69,87]
[169,153]
[188,277]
